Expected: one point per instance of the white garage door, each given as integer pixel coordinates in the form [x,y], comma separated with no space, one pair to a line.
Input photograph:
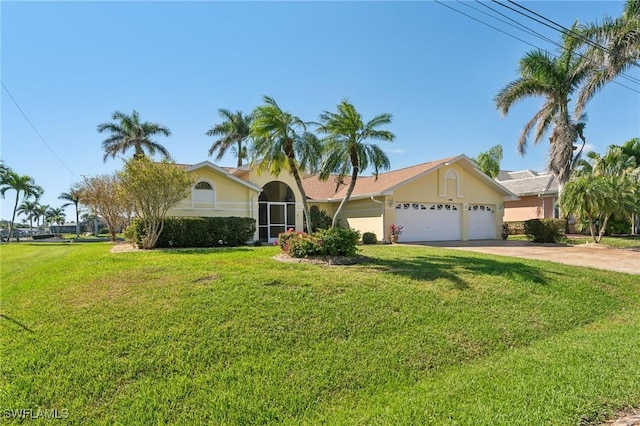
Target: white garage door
[481,222]
[428,222]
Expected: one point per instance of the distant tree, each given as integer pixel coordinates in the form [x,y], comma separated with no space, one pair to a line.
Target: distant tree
[489,161]
[40,213]
[29,209]
[153,189]
[281,142]
[233,131]
[555,79]
[347,150]
[103,195]
[73,198]
[128,132]
[25,188]
[56,215]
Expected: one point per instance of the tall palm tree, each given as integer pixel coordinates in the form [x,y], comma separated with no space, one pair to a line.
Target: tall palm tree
[28,208]
[555,79]
[73,198]
[281,142]
[347,148]
[614,49]
[24,186]
[128,132]
[233,131]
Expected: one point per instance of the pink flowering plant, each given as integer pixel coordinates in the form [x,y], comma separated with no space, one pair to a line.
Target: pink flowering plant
[396,229]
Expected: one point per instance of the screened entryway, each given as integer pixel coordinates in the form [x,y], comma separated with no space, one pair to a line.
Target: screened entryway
[277,210]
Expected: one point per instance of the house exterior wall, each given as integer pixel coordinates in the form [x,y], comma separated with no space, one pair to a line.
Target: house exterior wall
[529,207]
[230,198]
[439,187]
[364,216]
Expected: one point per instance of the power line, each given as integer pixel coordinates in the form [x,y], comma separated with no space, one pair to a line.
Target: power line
[36,130]
[537,34]
[524,41]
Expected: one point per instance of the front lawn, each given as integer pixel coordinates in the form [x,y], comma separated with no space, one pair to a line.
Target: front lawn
[417,335]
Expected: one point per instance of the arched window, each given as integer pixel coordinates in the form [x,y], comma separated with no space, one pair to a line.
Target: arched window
[203,195]
[452,184]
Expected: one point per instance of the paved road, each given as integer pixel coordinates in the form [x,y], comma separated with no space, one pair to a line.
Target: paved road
[591,255]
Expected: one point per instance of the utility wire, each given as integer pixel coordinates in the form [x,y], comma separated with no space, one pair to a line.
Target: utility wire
[517,38]
[36,130]
[560,28]
[535,33]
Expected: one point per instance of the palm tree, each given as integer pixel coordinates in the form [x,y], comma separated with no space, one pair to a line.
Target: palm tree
[555,79]
[601,187]
[128,132]
[281,142]
[489,161]
[40,213]
[24,186]
[28,208]
[347,149]
[233,131]
[614,48]
[73,196]
[56,215]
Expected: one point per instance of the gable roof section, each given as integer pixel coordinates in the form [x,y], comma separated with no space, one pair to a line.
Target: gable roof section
[223,171]
[528,182]
[367,186]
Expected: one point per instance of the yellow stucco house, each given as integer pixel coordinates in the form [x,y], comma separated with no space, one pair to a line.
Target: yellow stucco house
[447,199]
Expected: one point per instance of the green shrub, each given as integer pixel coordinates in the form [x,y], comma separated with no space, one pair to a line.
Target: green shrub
[514,227]
[369,238]
[338,241]
[201,231]
[544,230]
[319,219]
[303,245]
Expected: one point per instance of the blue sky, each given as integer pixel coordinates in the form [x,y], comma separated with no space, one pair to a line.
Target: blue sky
[69,65]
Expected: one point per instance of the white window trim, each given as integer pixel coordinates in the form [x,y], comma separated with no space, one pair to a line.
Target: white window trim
[215,193]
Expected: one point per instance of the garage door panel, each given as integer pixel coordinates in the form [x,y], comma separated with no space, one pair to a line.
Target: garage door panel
[481,222]
[429,222]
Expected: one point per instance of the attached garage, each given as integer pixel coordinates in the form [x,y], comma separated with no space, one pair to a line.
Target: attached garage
[481,222]
[429,222]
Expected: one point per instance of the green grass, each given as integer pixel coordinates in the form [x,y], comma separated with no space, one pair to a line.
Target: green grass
[417,335]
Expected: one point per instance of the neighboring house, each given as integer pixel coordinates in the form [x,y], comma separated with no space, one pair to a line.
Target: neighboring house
[538,193]
[448,199]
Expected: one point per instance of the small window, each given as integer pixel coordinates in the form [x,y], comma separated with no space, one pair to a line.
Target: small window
[204,185]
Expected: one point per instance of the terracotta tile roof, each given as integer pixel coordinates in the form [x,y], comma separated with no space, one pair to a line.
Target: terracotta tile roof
[365,185]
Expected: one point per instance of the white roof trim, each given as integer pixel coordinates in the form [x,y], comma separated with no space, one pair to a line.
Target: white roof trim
[223,172]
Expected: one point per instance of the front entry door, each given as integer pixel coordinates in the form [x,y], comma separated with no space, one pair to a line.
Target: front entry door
[277,220]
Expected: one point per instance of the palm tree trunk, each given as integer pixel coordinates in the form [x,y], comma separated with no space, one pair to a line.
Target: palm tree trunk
[240,154]
[352,185]
[13,218]
[305,205]
[77,222]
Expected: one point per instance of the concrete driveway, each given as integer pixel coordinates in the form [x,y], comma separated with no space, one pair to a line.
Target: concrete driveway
[591,255]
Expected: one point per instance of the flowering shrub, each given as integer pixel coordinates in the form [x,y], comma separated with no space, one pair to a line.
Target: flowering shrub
[396,229]
[330,242]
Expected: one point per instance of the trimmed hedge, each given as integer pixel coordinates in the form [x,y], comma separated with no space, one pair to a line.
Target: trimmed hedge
[544,230]
[369,238]
[199,231]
